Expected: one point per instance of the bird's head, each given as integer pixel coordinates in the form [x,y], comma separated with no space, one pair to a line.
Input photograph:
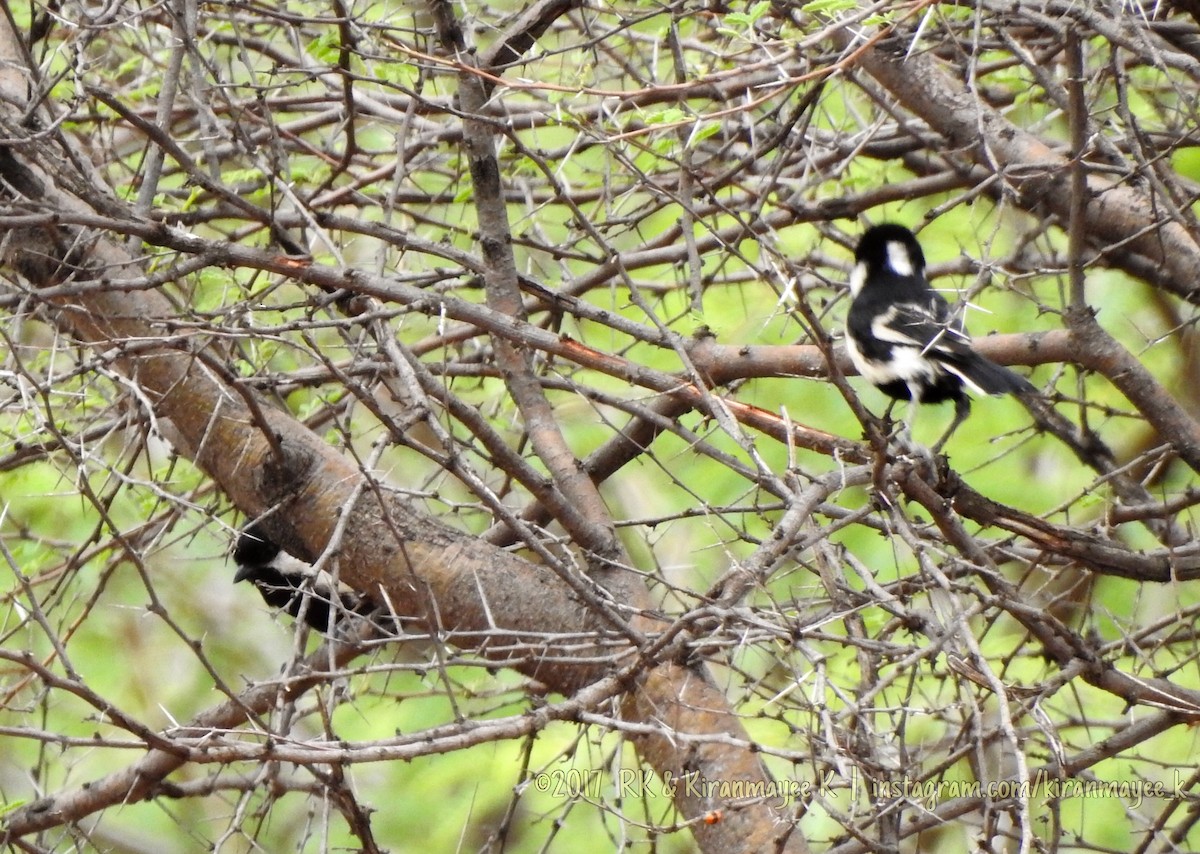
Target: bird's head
[253,550]
[885,250]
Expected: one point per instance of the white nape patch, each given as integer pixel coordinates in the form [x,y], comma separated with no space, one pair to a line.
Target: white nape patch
[899,259]
[858,278]
[289,565]
[307,576]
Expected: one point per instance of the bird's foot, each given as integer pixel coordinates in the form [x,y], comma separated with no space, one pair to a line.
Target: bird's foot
[911,448]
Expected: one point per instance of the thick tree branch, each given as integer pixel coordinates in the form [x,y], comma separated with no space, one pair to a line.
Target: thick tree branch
[1038,178]
[500,271]
[591,526]
[456,586]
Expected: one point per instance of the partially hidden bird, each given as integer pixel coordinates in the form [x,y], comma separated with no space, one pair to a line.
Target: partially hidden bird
[289,584]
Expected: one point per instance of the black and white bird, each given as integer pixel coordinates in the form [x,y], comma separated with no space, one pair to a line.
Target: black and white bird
[291,585]
[902,338]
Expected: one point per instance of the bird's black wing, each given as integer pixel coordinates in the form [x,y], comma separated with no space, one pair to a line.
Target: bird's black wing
[930,328]
[926,326]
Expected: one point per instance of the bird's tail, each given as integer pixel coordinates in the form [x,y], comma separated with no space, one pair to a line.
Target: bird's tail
[985,377]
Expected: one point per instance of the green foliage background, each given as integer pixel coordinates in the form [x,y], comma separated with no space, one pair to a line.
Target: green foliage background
[118,550]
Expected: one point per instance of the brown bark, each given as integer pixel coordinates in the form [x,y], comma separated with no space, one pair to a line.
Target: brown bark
[266,462]
[1117,213]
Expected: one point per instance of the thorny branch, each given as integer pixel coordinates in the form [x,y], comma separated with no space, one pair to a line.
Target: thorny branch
[545,270]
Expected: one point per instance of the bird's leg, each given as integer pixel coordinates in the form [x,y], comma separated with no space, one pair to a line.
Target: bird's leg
[904,438]
[962,408]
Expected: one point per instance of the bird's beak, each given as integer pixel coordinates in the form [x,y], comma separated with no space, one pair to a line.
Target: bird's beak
[244,573]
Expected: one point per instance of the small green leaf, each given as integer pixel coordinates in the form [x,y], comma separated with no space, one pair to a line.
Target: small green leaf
[5,809]
[326,48]
[666,117]
[702,131]
[828,6]
[758,10]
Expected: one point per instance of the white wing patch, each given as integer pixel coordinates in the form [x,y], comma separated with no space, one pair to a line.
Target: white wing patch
[884,329]
[881,328]
[906,364]
[966,380]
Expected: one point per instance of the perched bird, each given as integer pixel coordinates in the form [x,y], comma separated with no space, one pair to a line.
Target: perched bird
[900,334]
[292,585]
